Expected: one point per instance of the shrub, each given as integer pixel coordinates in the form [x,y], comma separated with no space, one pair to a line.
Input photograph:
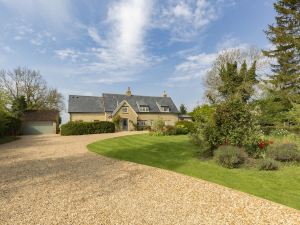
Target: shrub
[81,128]
[268,164]
[13,126]
[230,156]
[279,132]
[185,124]
[158,125]
[285,152]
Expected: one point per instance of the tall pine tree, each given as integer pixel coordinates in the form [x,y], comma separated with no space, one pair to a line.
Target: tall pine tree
[285,36]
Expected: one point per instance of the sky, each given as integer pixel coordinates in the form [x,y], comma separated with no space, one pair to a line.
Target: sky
[90,47]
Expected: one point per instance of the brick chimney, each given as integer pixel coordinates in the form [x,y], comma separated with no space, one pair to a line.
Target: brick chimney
[128,92]
[165,94]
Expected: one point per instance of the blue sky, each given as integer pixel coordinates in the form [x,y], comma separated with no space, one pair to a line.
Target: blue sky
[90,47]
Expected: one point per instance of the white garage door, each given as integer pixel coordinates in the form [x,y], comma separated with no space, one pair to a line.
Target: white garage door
[38,127]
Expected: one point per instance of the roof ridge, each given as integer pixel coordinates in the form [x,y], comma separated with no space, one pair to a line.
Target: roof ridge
[137,95]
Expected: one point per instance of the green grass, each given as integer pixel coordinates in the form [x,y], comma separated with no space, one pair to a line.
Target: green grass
[176,153]
[4,140]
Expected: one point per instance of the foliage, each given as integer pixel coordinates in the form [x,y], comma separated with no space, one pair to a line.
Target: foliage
[268,164]
[230,156]
[285,152]
[31,85]
[4,101]
[185,124]
[284,36]
[213,80]
[117,121]
[3,123]
[158,127]
[9,126]
[13,126]
[203,113]
[183,109]
[279,132]
[19,106]
[81,128]
[235,125]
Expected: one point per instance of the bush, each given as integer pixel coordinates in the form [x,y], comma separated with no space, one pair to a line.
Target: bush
[285,152]
[81,128]
[13,126]
[268,164]
[185,124]
[230,156]
[9,126]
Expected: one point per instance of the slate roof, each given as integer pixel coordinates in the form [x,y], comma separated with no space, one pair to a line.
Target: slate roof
[112,100]
[109,102]
[40,115]
[86,104]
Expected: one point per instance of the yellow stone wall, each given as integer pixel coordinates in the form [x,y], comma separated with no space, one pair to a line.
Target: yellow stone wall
[130,115]
[87,117]
[169,118]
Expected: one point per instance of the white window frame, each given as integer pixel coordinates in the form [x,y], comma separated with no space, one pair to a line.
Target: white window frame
[165,108]
[144,108]
[124,109]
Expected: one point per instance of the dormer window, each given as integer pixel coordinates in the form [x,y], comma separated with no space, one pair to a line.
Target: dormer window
[165,108]
[144,108]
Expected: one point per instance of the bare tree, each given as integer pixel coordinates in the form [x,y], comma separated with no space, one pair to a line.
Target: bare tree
[249,56]
[31,85]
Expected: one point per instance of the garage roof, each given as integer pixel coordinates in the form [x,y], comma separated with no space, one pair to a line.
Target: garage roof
[40,115]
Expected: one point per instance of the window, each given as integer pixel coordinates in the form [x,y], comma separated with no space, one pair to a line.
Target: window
[165,108]
[141,122]
[144,109]
[125,109]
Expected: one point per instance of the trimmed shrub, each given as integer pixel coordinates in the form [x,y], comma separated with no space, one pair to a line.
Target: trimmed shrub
[285,152]
[185,124]
[268,164]
[81,128]
[230,156]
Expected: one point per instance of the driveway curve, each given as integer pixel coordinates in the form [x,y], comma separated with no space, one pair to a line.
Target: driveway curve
[56,180]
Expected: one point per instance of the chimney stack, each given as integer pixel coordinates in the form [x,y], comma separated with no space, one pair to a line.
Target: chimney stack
[128,92]
[165,94]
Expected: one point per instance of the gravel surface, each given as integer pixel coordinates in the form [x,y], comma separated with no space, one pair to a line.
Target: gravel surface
[56,180]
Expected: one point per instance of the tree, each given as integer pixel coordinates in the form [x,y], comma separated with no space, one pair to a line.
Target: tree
[237,84]
[31,85]
[4,101]
[249,56]
[19,106]
[183,109]
[285,37]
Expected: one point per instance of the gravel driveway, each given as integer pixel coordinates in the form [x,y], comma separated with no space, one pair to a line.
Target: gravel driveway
[56,180]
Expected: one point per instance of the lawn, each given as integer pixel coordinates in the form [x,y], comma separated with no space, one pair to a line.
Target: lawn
[176,153]
[4,140]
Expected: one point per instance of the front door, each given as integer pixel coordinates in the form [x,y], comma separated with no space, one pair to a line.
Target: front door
[125,124]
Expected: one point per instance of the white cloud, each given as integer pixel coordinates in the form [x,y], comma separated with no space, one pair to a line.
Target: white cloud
[229,42]
[93,33]
[193,67]
[121,51]
[186,18]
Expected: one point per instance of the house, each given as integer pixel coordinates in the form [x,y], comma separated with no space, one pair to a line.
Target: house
[40,122]
[133,110]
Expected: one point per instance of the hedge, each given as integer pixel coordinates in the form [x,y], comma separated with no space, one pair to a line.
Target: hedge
[189,125]
[81,128]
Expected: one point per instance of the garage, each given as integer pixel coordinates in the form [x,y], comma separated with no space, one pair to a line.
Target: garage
[40,122]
